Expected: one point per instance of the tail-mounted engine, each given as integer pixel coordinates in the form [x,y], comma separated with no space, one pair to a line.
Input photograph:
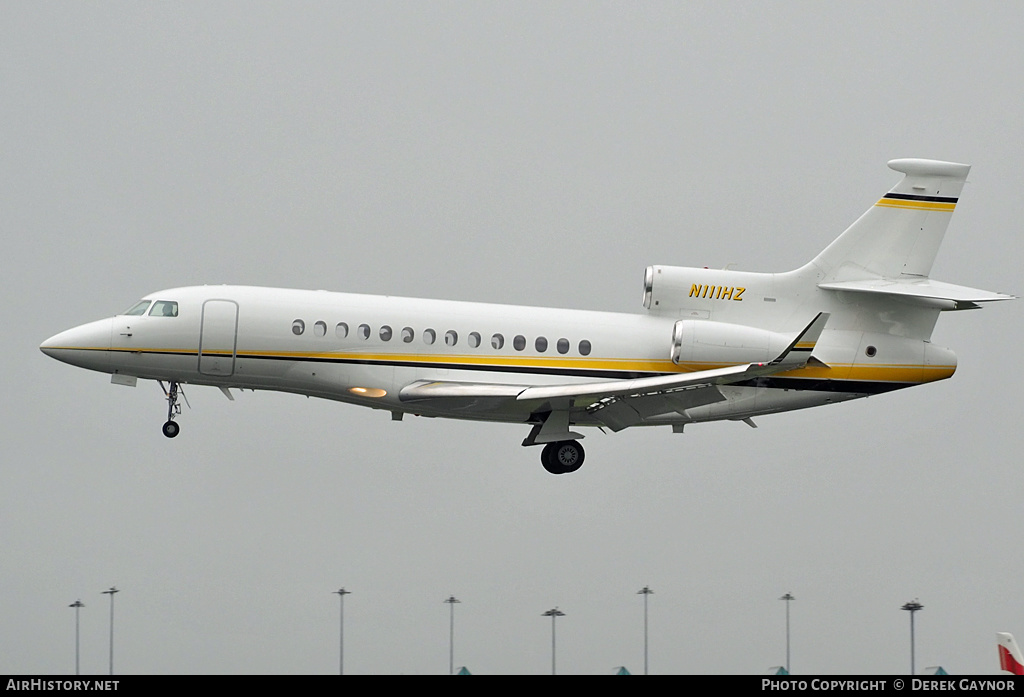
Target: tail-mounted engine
[715,344]
[697,292]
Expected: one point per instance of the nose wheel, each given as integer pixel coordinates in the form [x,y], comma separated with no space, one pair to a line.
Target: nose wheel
[170,427]
[562,457]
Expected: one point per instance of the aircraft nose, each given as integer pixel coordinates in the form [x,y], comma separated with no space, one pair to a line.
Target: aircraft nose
[74,345]
[51,345]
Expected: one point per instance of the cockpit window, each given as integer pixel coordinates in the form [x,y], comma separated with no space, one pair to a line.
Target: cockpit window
[164,308]
[138,308]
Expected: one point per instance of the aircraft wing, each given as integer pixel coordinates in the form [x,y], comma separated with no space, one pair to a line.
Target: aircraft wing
[423,389]
[794,356]
[619,403]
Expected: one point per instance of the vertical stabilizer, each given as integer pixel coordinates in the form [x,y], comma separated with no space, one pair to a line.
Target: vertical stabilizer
[1010,659]
[900,235]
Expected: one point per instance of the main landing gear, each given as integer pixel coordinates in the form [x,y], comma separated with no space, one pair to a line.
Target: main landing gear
[170,428]
[562,457]
[559,456]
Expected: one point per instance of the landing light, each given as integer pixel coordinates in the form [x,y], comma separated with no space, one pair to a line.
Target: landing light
[367,391]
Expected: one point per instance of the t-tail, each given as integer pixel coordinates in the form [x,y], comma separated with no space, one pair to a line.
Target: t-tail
[1010,659]
[890,249]
[900,235]
[874,279]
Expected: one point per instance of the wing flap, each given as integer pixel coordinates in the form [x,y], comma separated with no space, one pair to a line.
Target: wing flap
[459,397]
[618,413]
[435,389]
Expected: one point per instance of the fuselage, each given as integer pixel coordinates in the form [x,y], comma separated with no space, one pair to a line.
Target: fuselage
[365,349]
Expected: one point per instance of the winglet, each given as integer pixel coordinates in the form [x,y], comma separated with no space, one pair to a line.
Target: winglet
[1010,659]
[798,353]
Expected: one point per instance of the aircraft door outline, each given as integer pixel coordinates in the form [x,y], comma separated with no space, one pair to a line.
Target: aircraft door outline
[218,337]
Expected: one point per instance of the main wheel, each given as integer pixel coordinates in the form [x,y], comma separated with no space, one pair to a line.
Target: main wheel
[171,429]
[569,455]
[548,461]
[562,457]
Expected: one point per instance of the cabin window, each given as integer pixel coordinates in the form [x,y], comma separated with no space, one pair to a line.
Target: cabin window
[298,326]
[541,344]
[137,309]
[562,346]
[585,348]
[428,336]
[341,331]
[451,338]
[364,331]
[497,341]
[519,343]
[408,335]
[385,333]
[474,339]
[320,328]
[164,308]
[870,351]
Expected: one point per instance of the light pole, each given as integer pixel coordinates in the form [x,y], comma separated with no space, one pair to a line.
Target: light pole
[341,593]
[111,594]
[645,591]
[553,613]
[787,597]
[451,633]
[912,607]
[77,605]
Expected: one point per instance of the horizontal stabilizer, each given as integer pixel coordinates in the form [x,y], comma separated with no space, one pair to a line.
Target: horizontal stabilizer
[921,291]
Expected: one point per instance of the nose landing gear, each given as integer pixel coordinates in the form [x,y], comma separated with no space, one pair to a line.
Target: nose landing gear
[170,428]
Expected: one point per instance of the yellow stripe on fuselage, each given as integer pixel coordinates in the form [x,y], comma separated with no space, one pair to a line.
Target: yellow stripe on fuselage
[916,205]
[895,372]
[871,373]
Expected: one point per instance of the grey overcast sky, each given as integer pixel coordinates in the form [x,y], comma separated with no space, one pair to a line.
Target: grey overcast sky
[541,153]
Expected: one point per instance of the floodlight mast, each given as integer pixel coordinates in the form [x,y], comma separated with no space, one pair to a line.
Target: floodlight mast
[341,592]
[553,613]
[451,600]
[111,593]
[645,591]
[78,604]
[912,607]
[787,597]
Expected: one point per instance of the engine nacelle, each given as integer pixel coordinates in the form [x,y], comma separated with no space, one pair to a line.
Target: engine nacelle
[717,344]
[680,288]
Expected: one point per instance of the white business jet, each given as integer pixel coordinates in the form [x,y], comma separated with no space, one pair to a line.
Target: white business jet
[711,345]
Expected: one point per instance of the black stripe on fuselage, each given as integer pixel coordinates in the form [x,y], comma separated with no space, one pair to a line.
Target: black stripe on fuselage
[487,368]
[777,383]
[865,387]
[400,363]
[918,197]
